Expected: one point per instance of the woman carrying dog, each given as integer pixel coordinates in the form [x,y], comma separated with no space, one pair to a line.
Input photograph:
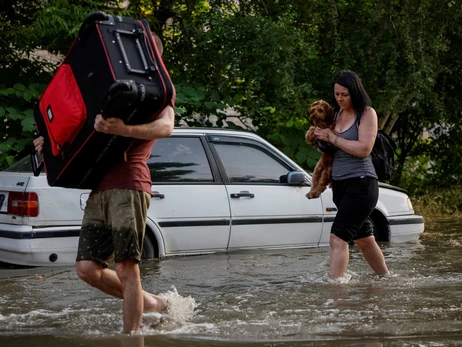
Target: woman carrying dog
[354,181]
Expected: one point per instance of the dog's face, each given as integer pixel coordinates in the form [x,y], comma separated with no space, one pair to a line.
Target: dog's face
[321,111]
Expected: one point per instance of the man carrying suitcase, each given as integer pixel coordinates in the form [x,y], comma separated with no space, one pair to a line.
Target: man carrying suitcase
[114,220]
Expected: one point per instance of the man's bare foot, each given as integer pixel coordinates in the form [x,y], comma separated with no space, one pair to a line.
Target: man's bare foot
[154,303]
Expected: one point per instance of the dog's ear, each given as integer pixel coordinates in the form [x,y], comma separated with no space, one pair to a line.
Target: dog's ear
[329,114]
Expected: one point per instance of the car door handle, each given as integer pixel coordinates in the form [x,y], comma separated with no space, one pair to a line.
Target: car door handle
[243,194]
[158,195]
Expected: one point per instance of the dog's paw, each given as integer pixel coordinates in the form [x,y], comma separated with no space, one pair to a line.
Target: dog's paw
[312,195]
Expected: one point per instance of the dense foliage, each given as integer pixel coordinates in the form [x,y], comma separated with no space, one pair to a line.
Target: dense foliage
[267,61]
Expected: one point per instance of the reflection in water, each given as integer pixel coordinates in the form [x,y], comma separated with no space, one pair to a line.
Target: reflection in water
[271,298]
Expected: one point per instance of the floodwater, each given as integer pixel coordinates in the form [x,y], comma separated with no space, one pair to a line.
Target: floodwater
[276,298]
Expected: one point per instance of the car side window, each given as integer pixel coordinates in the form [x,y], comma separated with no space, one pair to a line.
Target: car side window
[247,163]
[179,159]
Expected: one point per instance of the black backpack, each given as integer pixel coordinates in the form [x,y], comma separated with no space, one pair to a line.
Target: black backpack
[383,155]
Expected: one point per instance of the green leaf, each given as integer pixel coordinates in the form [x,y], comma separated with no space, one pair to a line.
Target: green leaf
[209,105]
[20,87]
[190,91]
[28,124]
[179,110]
[215,97]
[11,110]
[12,113]
[221,106]
[27,96]
[29,113]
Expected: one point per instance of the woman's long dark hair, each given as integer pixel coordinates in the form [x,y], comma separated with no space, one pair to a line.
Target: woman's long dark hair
[359,97]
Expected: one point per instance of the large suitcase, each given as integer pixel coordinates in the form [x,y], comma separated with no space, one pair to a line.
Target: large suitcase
[114,67]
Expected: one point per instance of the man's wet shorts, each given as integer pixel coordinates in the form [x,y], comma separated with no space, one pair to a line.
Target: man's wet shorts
[113,226]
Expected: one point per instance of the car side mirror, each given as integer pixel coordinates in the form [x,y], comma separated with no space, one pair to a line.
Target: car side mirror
[296,178]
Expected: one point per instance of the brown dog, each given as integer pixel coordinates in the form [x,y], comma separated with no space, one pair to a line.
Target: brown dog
[322,116]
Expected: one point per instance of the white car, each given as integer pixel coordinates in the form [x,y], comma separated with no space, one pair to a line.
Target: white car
[213,190]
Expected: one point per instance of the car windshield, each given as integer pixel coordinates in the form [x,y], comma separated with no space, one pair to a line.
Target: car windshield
[23,165]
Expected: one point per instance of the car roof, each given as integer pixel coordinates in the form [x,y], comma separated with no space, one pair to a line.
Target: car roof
[209,130]
[214,131]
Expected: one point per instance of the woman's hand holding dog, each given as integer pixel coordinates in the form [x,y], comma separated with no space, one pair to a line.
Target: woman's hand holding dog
[324,134]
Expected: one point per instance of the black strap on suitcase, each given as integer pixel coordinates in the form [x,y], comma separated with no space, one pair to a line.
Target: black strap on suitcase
[113,68]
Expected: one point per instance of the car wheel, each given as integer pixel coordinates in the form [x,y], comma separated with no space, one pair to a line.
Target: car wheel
[148,248]
[375,230]
[380,229]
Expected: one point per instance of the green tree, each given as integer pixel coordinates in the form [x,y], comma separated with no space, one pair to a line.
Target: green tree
[27,26]
[269,60]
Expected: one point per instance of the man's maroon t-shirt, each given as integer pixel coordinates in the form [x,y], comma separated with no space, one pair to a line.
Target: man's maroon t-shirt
[132,172]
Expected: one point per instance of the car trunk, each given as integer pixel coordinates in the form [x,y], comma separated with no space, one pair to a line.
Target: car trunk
[39,224]
[40,204]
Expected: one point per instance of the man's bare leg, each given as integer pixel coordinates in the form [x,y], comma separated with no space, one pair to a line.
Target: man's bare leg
[339,257]
[373,255]
[128,272]
[108,282]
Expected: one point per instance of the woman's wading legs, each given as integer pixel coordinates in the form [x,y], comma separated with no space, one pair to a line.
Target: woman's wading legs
[373,255]
[339,256]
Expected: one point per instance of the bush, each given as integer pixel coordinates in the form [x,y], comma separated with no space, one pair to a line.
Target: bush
[436,203]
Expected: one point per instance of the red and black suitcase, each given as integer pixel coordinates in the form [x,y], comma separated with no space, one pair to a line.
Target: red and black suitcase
[113,68]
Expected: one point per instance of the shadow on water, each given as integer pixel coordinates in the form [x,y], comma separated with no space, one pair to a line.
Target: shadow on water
[277,298]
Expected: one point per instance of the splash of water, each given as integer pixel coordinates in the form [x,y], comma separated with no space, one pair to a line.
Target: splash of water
[179,308]
[179,311]
[324,278]
[341,280]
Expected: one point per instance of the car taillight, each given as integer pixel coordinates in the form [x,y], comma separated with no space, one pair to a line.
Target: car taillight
[23,204]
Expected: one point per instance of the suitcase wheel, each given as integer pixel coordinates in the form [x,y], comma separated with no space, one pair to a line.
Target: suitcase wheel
[89,22]
[119,87]
[120,94]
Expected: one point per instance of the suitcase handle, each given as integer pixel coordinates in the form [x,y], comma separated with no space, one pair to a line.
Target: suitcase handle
[89,21]
[36,167]
[137,34]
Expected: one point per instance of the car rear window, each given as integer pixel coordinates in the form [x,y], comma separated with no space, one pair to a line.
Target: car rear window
[23,165]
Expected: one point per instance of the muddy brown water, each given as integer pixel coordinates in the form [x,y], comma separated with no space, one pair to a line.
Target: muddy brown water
[254,298]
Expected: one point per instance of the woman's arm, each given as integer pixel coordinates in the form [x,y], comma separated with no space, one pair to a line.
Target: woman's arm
[367,133]
[159,128]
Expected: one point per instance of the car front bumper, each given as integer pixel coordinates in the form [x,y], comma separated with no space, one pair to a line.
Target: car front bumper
[405,228]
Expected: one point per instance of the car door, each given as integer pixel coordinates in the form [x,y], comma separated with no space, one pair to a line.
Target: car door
[265,211]
[189,203]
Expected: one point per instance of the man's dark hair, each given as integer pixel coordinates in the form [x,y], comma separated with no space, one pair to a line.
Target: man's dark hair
[159,44]
[359,97]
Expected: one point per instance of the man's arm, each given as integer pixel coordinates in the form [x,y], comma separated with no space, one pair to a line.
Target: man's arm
[159,128]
